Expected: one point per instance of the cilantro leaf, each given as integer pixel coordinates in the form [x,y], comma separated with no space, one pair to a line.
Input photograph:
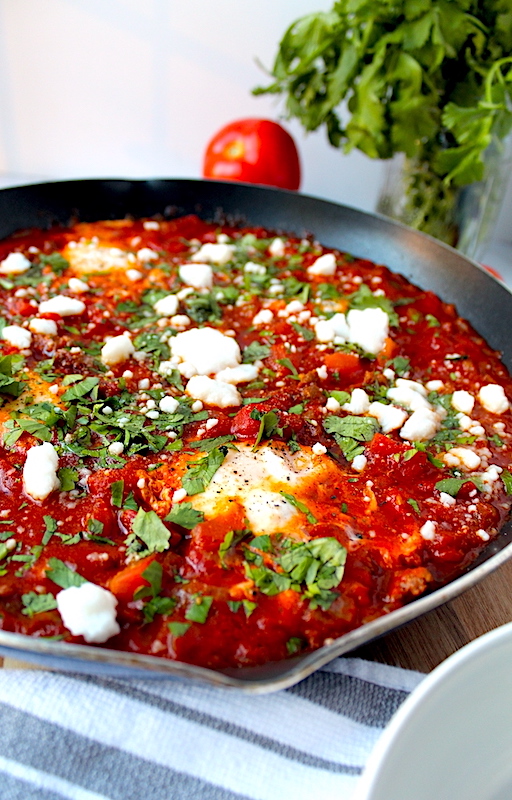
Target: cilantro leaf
[62,575]
[178,628]
[51,528]
[80,389]
[199,473]
[117,490]
[68,478]
[255,352]
[148,527]
[506,477]
[185,515]
[307,334]
[199,608]
[37,603]
[269,424]
[349,431]
[300,506]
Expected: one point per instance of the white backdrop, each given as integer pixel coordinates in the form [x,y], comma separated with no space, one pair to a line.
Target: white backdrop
[136,88]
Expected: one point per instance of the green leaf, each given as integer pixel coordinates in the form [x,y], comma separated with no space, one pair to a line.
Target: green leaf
[158,605]
[199,608]
[289,365]
[185,515]
[414,504]
[307,334]
[300,506]
[80,389]
[341,397]
[199,473]
[450,486]
[117,491]
[506,477]
[51,528]
[37,603]
[178,628]
[57,262]
[293,645]
[400,364]
[269,424]
[255,352]
[151,530]
[68,478]
[349,430]
[62,575]
[95,526]
[206,445]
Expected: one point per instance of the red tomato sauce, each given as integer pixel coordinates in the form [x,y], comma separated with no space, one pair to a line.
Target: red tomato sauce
[372,518]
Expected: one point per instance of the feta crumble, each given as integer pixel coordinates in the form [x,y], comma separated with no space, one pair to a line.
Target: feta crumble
[14,264]
[213,392]
[200,276]
[117,349]
[40,471]
[62,305]
[493,398]
[17,336]
[89,610]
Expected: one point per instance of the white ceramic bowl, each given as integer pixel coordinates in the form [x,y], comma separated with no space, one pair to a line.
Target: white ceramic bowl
[452,738]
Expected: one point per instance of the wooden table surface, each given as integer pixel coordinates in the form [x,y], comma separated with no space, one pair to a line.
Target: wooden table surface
[427,641]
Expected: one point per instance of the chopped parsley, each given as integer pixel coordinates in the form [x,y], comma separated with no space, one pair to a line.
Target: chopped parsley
[199,473]
[350,431]
[37,603]
[62,575]
[185,515]
[300,506]
[199,608]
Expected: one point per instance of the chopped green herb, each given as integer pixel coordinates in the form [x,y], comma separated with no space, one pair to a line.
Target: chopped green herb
[255,352]
[178,628]
[148,527]
[68,479]
[414,504]
[51,528]
[506,477]
[298,409]
[199,608]
[62,575]
[185,515]
[307,334]
[199,473]
[293,645]
[37,603]
[117,490]
[349,431]
[81,389]
[300,506]
[269,424]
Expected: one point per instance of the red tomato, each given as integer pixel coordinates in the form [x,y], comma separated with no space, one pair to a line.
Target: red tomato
[254,151]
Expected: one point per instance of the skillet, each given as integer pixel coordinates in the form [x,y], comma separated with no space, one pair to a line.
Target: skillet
[480,298]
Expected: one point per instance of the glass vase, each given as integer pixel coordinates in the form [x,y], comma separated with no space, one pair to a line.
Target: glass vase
[462,217]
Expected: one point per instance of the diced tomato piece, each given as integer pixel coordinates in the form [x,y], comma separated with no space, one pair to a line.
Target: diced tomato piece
[126,582]
[344,363]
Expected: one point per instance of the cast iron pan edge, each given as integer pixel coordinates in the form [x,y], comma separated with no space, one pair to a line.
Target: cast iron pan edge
[485,302]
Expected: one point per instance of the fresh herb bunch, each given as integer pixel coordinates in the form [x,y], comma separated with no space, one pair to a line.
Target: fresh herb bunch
[428,78]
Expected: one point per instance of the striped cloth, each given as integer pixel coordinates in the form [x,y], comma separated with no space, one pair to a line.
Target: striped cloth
[70,736]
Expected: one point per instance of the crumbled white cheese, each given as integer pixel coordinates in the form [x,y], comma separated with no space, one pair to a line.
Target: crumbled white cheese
[263,317]
[294,307]
[319,449]
[89,610]
[276,248]
[368,328]
[200,276]
[359,402]
[47,327]
[322,372]
[179,495]
[40,471]
[206,349]
[168,404]
[134,275]
[243,373]
[77,286]
[145,254]
[213,392]
[116,448]
[166,306]
[408,397]
[493,398]
[255,269]
[325,265]
[332,404]
[434,386]
[389,417]
[447,500]
[359,463]
[463,401]
[462,457]
[180,321]
[14,264]
[17,336]
[428,530]
[214,253]
[416,386]
[421,425]
[151,225]
[333,329]
[117,349]
[62,305]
